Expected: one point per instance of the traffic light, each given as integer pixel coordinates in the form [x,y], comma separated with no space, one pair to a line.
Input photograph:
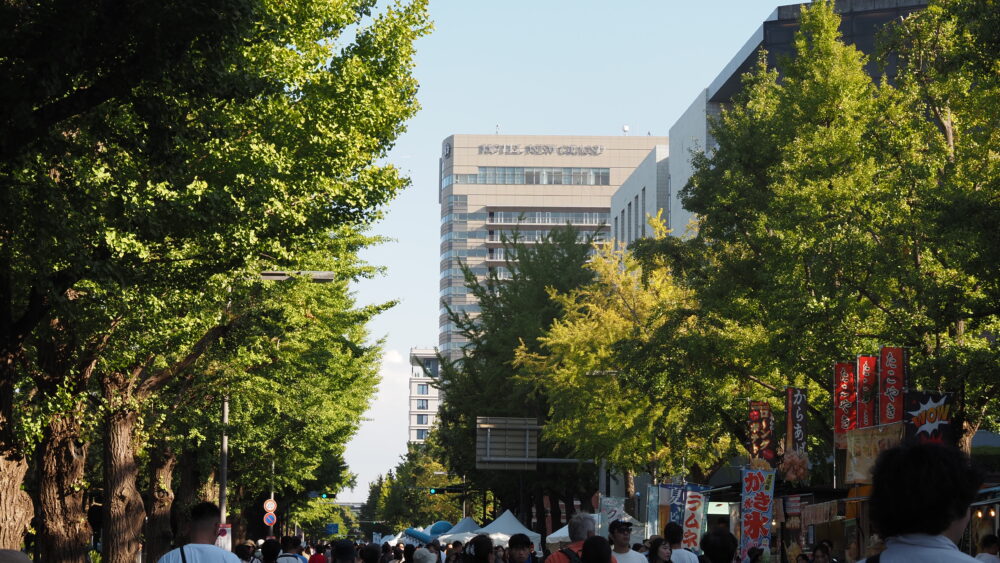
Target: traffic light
[434,491]
[322,495]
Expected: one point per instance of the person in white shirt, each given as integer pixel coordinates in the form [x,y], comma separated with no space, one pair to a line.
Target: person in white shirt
[674,535]
[989,546]
[920,503]
[204,529]
[621,540]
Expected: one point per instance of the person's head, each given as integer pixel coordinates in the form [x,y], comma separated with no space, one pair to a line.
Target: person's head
[659,550]
[802,558]
[204,522]
[719,545]
[821,553]
[386,548]
[754,554]
[270,550]
[596,549]
[518,548]
[722,523]
[291,544]
[424,555]
[408,550]
[342,551]
[639,547]
[456,545]
[989,544]
[479,550]
[581,526]
[621,534]
[370,553]
[244,551]
[434,547]
[673,533]
[923,489]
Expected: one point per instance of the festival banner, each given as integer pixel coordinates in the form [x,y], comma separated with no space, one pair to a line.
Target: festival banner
[844,402]
[695,511]
[796,403]
[673,496]
[892,382]
[612,508]
[756,510]
[927,417]
[762,444]
[867,366]
[864,445]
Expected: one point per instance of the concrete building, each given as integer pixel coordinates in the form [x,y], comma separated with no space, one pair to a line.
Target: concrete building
[491,185]
[640,195]
[861,22]
[424,397]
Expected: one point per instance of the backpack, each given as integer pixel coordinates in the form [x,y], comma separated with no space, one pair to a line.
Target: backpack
[571,555]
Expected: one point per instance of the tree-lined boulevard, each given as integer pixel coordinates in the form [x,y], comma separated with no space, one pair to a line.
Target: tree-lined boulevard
[157,158]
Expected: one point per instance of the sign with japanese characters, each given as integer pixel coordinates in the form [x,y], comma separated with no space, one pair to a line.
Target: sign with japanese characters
[695,509]
[673,496]
[762,444]
[845,406]
[891,384]
[927,417]
[795,413]
[652,510]
[866,391]
[756,510]
[863,447]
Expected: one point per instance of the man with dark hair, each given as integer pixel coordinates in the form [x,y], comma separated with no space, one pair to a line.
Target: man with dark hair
[989,546]
[519,549]
[291,550]
[920,502]
[203,529]
[620,532]
[674,535]
[342,551]
[369,553]
[719,545]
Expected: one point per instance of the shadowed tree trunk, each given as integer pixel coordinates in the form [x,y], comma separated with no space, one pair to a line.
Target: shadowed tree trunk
[64,535]
[159,534]
[16,509]
[123,510]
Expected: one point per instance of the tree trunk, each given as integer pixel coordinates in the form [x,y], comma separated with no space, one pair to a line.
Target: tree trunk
[539,498]
[123,510]
[65,533]
[630,504]
[159,534]
[554,511]
[16,508]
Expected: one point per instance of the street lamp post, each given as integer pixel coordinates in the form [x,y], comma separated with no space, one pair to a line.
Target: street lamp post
[274,275]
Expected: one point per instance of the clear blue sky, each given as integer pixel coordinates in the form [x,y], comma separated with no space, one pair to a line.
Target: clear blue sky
[532,67]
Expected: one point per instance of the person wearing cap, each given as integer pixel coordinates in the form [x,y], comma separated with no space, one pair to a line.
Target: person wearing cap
[621,541]
[581,526]
[674,535]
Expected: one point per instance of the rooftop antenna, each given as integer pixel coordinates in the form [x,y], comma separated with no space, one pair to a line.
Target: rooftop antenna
[625,130]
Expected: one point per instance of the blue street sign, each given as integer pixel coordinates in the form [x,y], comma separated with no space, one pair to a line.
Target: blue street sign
[332,529]
[270,519]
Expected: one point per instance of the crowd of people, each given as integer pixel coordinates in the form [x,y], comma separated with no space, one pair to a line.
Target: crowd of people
[920,502]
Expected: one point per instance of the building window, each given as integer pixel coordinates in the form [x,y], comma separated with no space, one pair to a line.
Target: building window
[638,217]
[422,404]
[616,227]
[630,221]
[422,418]
[644,211]
[422,389]
[421,434]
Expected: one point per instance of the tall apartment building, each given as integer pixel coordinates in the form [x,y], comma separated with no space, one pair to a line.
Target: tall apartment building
[861,21]
[493,184]
[424,397]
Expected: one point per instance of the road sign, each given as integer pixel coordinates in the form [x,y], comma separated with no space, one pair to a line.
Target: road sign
[270,519]
[270,505]
[332,529]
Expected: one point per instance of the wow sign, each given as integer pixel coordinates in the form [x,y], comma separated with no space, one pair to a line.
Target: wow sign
[927,417]
[756,511]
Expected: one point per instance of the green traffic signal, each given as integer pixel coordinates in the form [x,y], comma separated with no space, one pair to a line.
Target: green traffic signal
[433,491]
[323,495]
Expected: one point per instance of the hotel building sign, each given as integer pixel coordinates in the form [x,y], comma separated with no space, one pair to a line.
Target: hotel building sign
[542,150]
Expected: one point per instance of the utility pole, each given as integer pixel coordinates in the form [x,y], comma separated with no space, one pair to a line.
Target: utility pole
[224,459]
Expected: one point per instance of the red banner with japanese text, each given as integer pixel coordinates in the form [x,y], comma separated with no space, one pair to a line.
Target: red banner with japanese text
[695,509]
[756,510]
[867,366]
[845,403]
[795,415]
[892,384]
[761,423]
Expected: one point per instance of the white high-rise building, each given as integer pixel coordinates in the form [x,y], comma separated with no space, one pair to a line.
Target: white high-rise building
[424,397]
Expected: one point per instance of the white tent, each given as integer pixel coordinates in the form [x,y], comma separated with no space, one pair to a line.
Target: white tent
[562,534]
[501,529]
[463,531]
[463,537]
